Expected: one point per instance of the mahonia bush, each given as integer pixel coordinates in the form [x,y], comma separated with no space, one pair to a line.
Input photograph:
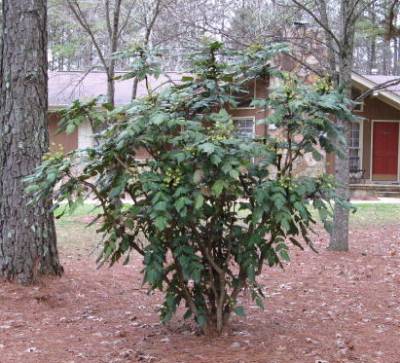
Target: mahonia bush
[208,209]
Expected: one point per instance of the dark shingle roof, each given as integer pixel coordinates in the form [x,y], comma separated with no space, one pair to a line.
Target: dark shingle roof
[64,87]
[379,79]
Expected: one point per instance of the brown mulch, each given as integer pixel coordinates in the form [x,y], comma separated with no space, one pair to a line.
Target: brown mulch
[330,307]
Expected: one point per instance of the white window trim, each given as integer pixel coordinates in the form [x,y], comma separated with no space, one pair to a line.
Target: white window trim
[247,118]
[361,107]
[255,96]
[360,142]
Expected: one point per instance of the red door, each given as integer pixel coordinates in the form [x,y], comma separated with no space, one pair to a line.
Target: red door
[385,150]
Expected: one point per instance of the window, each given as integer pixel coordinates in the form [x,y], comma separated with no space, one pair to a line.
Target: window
[354,147]
[359,107]
[245,97]
[244,127]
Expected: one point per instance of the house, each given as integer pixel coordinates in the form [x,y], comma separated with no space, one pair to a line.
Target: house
[65,87]
[374,142]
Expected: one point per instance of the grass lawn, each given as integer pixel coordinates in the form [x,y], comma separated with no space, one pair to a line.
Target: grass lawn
[75,236]
[375,213]
[73,233]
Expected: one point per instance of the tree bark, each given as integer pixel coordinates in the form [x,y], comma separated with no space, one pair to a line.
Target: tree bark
[340,231]
[372,45]
[28,246]
[372,55]
[149,29]
[395,56]
[387,58]
[329,41]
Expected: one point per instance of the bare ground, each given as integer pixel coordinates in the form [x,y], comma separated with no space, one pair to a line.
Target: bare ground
[330,307]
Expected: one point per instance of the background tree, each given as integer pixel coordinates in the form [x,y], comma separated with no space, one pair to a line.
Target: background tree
[181,24]
[339,29]
[28,246]
[339,35]
[92,32]
[104,45]
[149,12]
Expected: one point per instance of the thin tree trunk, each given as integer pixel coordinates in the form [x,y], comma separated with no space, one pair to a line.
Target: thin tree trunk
[113,34]
[395,56]
[340,231]
[387,57]
[329,41]
[149,28]
[135,88]
[339,240]
[398,58]
[110,87]
[27,235]
[372,45]
[372,55]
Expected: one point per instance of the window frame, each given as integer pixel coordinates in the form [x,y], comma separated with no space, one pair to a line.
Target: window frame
[253,118]
[361,109]
[255,97]
[360,144]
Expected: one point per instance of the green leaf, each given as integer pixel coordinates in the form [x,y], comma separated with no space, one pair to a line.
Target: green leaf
[199,201]
[215,159]
[158,118]
[284,255]
[161,206]
[161,223]
[180,203]
[259,302]
[207,147]
[70,128]
[239,310]
[317,155]
[218,187]
[201,320]
[187,314]
[234,174]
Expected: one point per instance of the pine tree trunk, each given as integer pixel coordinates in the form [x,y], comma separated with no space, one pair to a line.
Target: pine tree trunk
[28,246]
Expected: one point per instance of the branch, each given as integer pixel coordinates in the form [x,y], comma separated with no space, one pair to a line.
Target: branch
[150,26]
[305,65]
[128,16]
[108,20]
[80,17]
[331,51]
[390,83]
[318,21]
[80,80]
[115,28]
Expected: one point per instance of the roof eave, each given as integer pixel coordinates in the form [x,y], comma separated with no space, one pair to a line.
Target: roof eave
[386,96]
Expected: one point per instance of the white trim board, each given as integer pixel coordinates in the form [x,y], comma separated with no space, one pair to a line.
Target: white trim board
[386,96]
[247,118]
[360,141]
[255,97]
